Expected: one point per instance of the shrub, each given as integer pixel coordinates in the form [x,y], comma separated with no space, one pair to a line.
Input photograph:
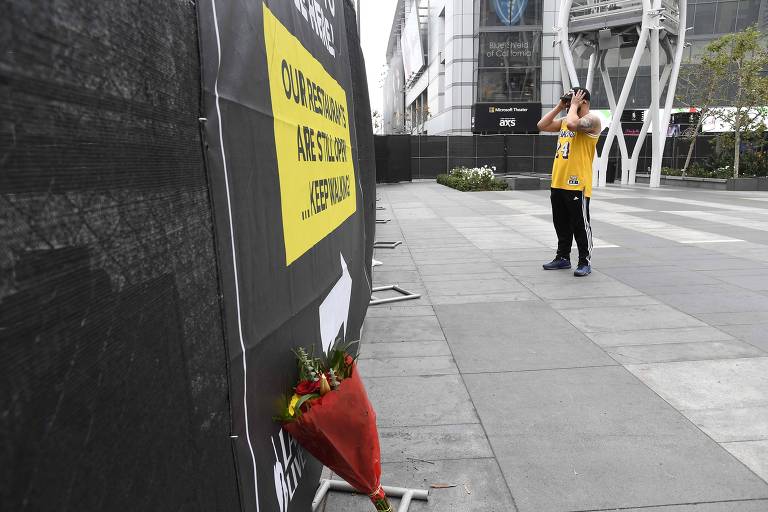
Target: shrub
[469,179]
[697,170]
[753,159]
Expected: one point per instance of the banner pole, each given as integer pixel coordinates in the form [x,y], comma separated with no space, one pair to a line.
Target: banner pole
[358,18]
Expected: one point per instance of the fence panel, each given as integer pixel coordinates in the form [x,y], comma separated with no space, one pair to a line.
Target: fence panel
[112,351]
[431,155]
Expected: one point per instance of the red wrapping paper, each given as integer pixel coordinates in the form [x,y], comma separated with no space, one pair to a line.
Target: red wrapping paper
[339,430]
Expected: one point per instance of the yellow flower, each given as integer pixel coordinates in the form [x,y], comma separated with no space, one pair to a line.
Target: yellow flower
[292,405]
[324,386]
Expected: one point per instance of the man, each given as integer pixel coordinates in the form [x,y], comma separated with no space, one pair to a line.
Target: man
[572,178]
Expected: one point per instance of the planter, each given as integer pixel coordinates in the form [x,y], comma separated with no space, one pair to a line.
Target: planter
[527,181]
[688,182]
[744,184]
[523,183]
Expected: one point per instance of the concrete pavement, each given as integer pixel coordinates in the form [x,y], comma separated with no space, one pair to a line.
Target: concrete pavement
[643,387]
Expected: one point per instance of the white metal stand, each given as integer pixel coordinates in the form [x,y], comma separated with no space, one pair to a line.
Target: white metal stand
[405,495]
[386,245]
[593,27]
[404,295]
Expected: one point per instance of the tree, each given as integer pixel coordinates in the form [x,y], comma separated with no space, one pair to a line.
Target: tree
[376,121]
[419,116]
[413,121]
[698,86]
[739,62]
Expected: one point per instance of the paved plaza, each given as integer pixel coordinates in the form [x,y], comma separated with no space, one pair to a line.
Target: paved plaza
[643,387]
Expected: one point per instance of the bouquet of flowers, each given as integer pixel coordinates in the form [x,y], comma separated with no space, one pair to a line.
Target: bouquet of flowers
[329,414]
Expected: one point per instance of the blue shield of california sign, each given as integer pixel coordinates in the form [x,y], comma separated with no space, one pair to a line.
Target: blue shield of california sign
[509,11]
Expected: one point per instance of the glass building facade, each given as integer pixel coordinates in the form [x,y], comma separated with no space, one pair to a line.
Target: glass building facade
[481,52]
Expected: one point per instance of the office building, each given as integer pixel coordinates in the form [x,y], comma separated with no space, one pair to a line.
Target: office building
[490,66]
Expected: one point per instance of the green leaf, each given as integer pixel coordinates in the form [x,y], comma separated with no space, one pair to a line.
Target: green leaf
[304,399]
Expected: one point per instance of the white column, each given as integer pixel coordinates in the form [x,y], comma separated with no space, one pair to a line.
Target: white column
[675,66]
[563,69]
[590,72]
[600,177]
[612,103]
[565,50]
[655,93]
[644,131]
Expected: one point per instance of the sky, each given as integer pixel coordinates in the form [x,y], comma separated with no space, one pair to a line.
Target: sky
[375,23]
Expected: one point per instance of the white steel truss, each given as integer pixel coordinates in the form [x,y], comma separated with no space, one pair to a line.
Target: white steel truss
[591,28]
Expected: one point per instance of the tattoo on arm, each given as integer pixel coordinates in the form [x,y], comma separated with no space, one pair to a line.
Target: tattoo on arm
[585,123]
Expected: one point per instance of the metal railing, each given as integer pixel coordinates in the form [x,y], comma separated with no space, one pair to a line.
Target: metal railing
[591,10]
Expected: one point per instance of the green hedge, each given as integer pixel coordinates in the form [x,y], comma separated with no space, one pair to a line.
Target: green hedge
[696,170]
[471,179]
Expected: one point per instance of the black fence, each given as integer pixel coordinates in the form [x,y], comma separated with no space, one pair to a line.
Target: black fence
[123,343]
[405,157]
[113,368]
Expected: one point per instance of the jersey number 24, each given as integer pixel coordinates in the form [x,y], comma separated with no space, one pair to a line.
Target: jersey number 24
[563,150]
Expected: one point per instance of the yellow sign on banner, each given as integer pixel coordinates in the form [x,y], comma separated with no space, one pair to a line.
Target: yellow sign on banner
[314,150]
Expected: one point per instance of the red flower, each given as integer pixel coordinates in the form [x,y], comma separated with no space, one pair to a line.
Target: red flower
[306,387]
[340,431]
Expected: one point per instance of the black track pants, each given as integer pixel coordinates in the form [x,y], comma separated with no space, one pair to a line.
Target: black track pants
[570,214]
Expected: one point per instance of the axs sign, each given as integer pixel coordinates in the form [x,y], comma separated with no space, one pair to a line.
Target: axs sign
[505,117]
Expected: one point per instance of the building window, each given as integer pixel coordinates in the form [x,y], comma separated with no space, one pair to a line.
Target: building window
[748,14]
[508,85]
[509,67]
[704,19]
[510,13]
[726,17]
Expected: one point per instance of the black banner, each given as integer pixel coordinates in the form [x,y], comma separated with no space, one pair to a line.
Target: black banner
[632,121]
[291,207]
[506,117]
[685,119]
[113,387]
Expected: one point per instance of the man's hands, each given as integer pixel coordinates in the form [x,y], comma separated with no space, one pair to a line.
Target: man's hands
[588,123]
[577,99]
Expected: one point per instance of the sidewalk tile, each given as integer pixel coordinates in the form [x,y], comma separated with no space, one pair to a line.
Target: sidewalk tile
[629,318]
[730,383]
[667,352]
[404,349]
[597,438]
[422,400]
[732,423]
[515,336]
[431,443]
[754,454]
[659,336]
[416,328]
[479,487]
[408,366]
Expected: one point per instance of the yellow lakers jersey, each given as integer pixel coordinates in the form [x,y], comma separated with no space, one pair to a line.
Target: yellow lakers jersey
[572,168]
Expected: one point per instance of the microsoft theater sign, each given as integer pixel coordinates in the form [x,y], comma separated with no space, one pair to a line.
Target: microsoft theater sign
[505,117]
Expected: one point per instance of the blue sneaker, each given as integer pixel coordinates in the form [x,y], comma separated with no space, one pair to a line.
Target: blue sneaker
[559,263]
[583,270]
